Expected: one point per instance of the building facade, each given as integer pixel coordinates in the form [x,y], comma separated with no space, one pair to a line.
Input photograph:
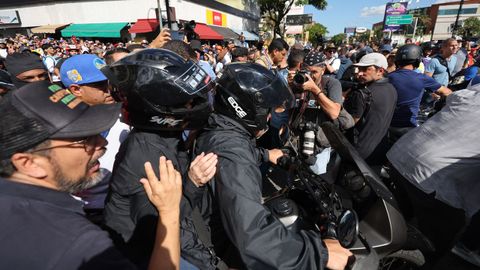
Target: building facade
[444,15]
[239,15]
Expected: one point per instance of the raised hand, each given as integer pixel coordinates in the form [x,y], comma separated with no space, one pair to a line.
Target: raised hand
[164,193]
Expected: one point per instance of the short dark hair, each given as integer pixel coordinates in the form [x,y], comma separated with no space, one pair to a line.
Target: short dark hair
[278,44]
[132,47]
[46,46]
[295,57]
[109,54]
[181,48]
[239,52]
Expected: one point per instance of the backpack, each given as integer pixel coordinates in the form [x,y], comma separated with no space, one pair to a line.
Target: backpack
[367,98]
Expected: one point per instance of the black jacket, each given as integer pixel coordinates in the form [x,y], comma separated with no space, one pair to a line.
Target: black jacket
[261,239]
[128,212]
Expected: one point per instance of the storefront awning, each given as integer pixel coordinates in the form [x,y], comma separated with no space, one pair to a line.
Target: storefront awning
[294,29]
[144,26]
[247,34]
[205,32]
[49,28]
[106,30]
[225,32]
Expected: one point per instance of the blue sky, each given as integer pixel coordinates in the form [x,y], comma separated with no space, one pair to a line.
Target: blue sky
[348,13]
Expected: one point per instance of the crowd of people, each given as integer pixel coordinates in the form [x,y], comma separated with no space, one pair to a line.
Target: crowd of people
[149,155]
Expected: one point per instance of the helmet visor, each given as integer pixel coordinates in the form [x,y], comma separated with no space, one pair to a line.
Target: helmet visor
[277,94]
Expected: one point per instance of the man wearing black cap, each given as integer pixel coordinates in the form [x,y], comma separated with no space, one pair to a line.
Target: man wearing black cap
[25,68]
[49,148]
[5,83]
[327,91]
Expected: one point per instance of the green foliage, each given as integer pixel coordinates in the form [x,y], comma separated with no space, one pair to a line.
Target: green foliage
[339,38]
[364,37]
[275,10]
[316,33]
[470,28]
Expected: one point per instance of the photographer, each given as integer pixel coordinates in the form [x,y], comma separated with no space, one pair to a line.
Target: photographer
[321,91]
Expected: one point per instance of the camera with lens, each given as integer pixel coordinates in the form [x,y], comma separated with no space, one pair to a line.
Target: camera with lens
[300,77]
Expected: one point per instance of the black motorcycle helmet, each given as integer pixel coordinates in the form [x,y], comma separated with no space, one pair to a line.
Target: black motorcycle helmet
[409,54]
[248,92]
[161,90]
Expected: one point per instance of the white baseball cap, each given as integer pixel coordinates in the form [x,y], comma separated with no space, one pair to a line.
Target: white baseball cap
[373,59]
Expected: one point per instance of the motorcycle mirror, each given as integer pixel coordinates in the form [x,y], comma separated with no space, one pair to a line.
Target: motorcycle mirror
[347,228]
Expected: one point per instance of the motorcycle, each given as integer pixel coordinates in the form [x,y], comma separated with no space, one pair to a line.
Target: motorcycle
[349,203]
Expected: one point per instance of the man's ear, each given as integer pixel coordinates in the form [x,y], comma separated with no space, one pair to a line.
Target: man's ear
[75,90]
[29,165]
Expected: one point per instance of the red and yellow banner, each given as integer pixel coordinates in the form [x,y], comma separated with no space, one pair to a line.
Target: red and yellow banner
[216,18]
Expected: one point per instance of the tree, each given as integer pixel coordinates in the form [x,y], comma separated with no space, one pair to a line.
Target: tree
[364,37]
[316,33]
[339,38]
[470,28]
[275,10]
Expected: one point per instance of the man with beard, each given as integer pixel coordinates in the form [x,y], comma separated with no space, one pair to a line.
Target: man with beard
[371,105]
[82,76]
[49,148]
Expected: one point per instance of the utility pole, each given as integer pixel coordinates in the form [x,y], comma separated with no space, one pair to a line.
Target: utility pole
[167,7]
[159,15]
[415,28]
[456,20]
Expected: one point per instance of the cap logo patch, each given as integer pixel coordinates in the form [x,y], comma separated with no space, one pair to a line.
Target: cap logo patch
[74,76]
[62,95]
[99,63]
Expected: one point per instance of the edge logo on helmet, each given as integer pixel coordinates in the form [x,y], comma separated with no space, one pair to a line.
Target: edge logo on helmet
[165,121]
[240,112]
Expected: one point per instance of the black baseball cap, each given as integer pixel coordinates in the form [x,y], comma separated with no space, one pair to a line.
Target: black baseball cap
[41,110]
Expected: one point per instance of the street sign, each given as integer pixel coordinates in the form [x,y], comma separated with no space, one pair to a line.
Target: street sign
[349,30]
[298,19]
[360,30]
[399,19]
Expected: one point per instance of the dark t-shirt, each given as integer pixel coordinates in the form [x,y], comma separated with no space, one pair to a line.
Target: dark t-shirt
[377,120]
[410,86]
[43,228]
[333,90]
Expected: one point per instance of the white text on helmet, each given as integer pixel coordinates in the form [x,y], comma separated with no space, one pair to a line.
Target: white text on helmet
[240,112]
[165,121]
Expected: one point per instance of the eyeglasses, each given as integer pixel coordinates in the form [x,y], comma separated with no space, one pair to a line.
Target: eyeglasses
[89,144]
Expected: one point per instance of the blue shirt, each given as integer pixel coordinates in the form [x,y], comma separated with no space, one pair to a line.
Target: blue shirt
[410,86]
[471,72]
[440,71]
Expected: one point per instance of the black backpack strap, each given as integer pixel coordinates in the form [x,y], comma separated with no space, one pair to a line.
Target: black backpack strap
[444,63]
[204,235]
[367,102]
